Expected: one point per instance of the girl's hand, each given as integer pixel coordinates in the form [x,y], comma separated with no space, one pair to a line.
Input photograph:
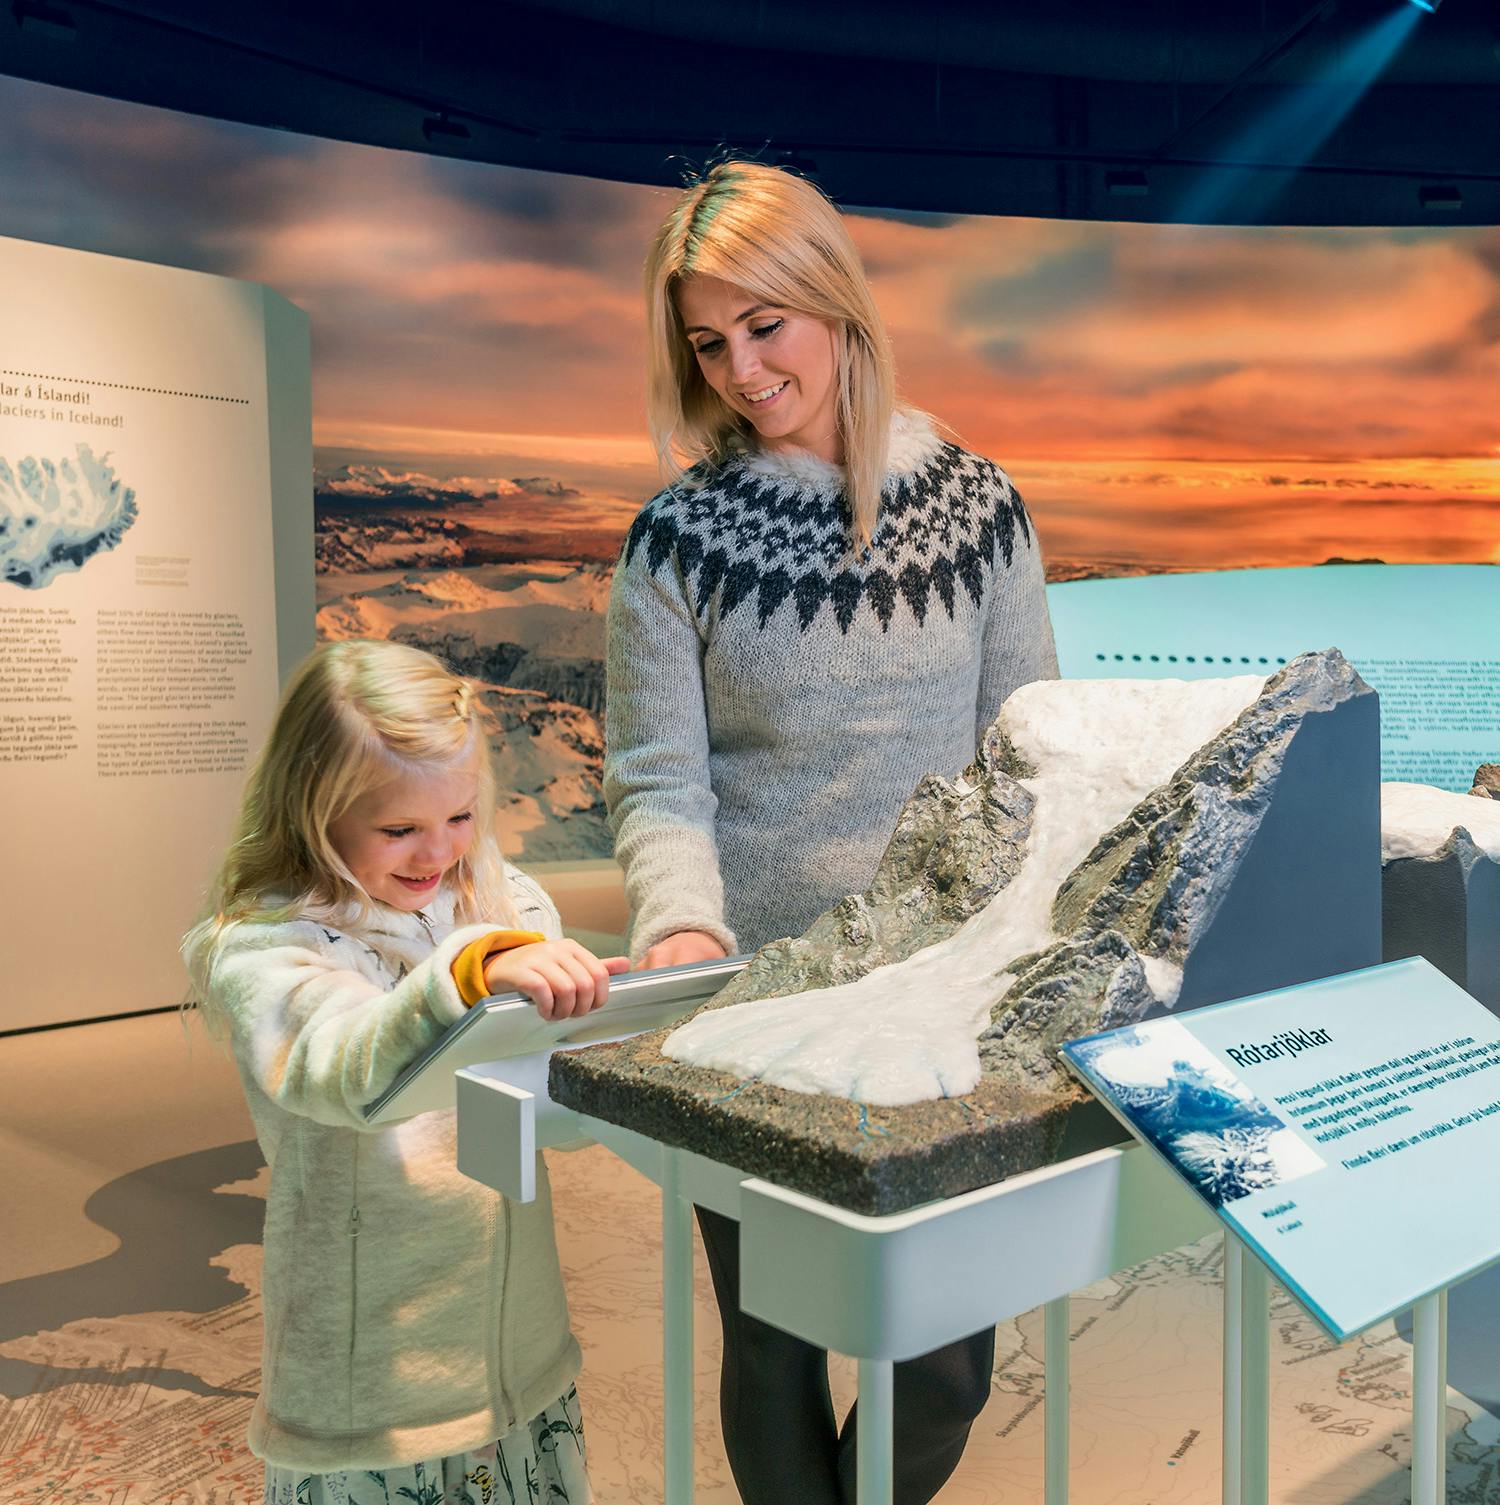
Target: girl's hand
[684,946]
[560,977]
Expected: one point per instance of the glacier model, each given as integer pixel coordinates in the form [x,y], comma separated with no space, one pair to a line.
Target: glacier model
[55,515]
[1117,848]
[1440,890]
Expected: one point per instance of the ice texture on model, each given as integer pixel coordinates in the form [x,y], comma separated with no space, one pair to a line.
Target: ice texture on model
[1134,802]
[55,515]
[1417,820]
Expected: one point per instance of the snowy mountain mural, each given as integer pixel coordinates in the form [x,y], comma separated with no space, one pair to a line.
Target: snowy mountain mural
[506,579]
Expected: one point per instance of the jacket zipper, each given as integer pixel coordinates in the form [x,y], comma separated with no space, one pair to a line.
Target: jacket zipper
[353,1276]
[500,1296]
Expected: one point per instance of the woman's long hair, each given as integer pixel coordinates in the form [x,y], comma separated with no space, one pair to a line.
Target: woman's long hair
[775,235]
[354,715]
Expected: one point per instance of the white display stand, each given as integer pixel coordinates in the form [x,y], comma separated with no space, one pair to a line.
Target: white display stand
[863,1286]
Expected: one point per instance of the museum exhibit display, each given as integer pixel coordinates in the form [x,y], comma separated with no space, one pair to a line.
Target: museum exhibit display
[1440,880]
[1217,291]
[1117,848]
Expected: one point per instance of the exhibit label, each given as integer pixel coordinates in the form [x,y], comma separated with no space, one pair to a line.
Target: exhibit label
[1346,1130]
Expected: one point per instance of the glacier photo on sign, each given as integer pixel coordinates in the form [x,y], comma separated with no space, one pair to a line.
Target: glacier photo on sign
[1222,1137]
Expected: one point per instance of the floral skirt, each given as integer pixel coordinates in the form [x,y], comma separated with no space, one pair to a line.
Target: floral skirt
[542,1460]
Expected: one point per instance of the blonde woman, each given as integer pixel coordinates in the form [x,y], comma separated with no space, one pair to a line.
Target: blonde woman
[829,601]
[416,1332]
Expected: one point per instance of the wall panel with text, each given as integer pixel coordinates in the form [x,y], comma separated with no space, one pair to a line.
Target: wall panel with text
[155,572]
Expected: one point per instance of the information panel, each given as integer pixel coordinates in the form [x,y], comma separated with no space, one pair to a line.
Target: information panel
[155,563]
[1347,1130]
[1425,636]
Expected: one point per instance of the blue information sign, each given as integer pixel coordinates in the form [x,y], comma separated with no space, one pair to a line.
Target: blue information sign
[1347,1130]
[1423,635]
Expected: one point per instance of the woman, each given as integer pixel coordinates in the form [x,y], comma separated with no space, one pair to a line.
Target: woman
[832,602]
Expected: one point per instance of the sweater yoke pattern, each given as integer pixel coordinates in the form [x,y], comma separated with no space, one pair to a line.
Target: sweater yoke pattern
[753,535]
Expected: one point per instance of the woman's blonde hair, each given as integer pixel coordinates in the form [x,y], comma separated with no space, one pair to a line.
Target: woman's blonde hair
[354,715]
[775,235]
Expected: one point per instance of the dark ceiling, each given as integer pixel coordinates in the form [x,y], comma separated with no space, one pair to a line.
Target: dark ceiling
[1234,111]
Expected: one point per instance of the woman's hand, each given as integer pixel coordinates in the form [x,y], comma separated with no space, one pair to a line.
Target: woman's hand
[684,946]
[562,978]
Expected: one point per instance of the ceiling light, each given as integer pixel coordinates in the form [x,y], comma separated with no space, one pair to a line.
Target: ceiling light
[1126,182]
[40,19]
[443,124]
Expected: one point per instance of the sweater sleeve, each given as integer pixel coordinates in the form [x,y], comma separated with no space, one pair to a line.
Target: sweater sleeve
[656,774]
[1018,644]
[321,1039]
[534,907]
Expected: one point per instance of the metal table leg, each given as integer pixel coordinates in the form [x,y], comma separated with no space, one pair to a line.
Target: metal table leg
[875,1439]
[1055,1358]
[1255,1381]
[1234,1269]
[677,1335]
[1429,1402]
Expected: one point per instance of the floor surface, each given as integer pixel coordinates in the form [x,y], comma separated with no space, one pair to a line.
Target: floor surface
[129,1323]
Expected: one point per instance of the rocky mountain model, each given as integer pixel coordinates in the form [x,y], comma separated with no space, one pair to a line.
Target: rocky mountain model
[1118,847]
[1440,892]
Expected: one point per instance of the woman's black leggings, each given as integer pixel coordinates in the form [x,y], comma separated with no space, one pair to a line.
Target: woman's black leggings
[779,1431]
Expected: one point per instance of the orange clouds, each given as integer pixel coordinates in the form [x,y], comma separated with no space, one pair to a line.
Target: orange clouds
[1197,515]
[1180,342]
[1162,394]
[1185,297]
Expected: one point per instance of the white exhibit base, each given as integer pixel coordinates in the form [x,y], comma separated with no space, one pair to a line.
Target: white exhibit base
[862,1286]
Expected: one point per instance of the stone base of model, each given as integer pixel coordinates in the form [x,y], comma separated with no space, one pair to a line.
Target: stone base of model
[1117,848]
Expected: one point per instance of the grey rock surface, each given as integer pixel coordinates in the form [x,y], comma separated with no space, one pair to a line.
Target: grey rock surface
[1446,907]
[1487,781]
[1090,982]
[1159,876]
[956,845]
[1152,889]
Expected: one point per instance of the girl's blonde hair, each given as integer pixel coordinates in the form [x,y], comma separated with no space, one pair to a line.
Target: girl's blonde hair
[354,715]
[775,235]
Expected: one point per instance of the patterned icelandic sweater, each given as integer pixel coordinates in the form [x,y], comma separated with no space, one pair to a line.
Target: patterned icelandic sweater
[773,699]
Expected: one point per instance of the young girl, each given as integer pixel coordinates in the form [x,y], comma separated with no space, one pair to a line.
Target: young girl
[416,1332]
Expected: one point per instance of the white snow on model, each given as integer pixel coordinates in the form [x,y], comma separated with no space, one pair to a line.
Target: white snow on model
[908,1032]
[1416,819]
[55,515]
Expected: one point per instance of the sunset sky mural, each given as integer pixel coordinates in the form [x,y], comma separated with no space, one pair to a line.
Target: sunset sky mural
[1165,398]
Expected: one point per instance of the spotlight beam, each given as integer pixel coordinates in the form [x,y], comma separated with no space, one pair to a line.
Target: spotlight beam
[1277,50]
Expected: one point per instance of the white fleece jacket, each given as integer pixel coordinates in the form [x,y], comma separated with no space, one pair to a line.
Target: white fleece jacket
[409,1312]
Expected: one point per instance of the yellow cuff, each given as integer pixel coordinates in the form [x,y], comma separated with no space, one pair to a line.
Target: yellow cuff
[468,965]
